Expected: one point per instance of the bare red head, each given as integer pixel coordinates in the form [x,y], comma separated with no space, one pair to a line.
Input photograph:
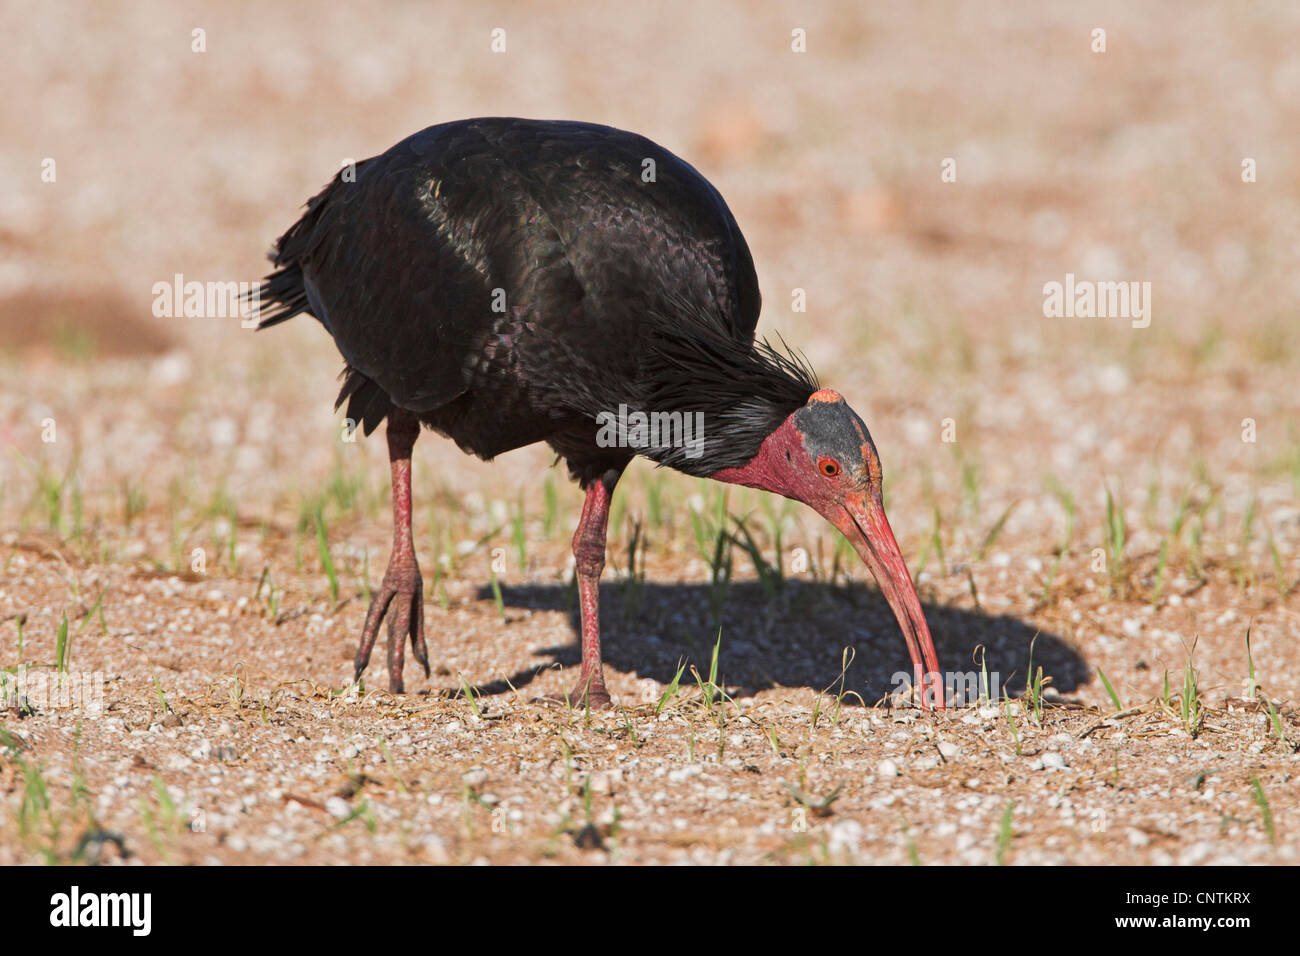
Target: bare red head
[822,455]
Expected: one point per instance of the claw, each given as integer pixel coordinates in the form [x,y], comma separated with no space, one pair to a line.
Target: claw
[378,608]
[401,581]
[418,646]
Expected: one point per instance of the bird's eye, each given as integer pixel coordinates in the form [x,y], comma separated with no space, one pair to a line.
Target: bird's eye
[828,466]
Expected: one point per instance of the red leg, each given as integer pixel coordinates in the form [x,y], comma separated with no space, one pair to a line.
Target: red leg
[402,579]
[589,555]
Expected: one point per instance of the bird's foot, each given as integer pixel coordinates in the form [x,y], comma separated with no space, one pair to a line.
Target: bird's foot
[587,694]
[403,588]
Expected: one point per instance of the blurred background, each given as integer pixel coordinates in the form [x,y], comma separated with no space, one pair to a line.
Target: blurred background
[924,297]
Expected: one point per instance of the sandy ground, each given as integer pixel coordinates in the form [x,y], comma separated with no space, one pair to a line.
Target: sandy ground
[162,478]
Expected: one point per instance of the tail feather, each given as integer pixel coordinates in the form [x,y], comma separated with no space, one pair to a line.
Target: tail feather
[283,293]
[281,296]
[368,404]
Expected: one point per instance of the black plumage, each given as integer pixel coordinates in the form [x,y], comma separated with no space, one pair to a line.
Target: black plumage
[507,280]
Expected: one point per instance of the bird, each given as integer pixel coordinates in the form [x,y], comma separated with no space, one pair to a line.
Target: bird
[504,281]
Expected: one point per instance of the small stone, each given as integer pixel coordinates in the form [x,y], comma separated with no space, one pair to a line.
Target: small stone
[887,768]
[845,836]
[949,749]
[337,807]
[436,848]
[1053,761]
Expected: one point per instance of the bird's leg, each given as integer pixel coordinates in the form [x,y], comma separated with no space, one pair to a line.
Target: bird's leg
[402,579]
[589,558]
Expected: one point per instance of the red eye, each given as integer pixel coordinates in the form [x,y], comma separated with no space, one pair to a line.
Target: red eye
[828,466]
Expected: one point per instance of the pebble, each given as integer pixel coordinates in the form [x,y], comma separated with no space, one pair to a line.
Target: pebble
[436,847]
[845,836]
[1196,854]
[337,807]
[949,749]
[887,768]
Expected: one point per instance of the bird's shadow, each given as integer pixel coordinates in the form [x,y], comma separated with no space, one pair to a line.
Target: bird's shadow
[797,635]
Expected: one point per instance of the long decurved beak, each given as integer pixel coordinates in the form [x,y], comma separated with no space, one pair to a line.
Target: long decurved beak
[861,519]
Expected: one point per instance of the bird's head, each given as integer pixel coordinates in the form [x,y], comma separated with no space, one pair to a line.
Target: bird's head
[822,455]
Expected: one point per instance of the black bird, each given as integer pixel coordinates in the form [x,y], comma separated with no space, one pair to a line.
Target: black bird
[509,281]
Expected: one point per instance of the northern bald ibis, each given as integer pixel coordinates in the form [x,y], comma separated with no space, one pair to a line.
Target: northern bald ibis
[509,281]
